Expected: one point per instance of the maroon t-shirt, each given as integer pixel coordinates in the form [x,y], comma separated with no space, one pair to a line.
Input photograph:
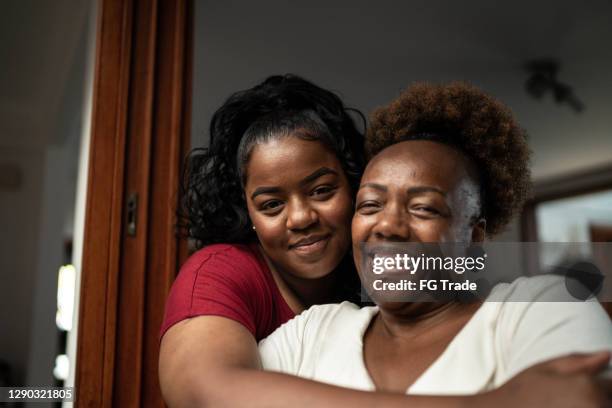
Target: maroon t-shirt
[228,280]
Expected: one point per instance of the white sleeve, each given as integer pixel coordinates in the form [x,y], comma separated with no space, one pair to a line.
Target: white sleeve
[285,348]
[282,350]
[537,331]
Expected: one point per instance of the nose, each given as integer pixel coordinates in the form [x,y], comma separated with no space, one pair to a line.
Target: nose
[300,215]
[392,225]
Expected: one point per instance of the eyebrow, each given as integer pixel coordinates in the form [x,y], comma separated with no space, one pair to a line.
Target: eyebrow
[264,190]
[375,186]
[323,171]
[411,190]
[426,189]
[308,179]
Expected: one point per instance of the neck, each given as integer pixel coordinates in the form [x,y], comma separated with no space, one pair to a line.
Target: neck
[312,291]
[409,320]
[301,293]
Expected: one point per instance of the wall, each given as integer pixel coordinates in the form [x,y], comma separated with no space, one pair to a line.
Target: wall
[42,48]
[19,218]
[57,207]
[369,52]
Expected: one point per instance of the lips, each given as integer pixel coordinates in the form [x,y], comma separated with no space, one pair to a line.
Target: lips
[309,240]
[310,244]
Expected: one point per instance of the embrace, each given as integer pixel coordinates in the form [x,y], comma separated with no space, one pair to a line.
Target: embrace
[268,312]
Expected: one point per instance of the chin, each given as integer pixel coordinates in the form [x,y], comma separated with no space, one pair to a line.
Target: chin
[316,267]
[315,270]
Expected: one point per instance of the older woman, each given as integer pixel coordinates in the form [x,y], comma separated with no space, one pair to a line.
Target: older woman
[449,165]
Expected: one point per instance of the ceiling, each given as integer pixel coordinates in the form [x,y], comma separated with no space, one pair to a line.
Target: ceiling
[369,51]
[42,49]
[366,52]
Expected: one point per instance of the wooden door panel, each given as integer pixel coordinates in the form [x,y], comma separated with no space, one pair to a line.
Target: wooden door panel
[140,133]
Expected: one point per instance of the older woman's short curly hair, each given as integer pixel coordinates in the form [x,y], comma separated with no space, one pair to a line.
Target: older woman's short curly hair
[466,118]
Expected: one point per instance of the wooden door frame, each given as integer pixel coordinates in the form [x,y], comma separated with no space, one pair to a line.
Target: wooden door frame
[584,182]
[139,137]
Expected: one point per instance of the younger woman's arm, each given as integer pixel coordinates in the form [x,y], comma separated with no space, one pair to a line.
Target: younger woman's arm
[211,361]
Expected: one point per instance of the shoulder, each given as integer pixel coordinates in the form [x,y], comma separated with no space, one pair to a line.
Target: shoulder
[548,287]
[217,269]
[297,346]
[232,254]
[542,300]
[312,325]
[232,261]
[226,280]
[338,314]
[538,319]
[333,310]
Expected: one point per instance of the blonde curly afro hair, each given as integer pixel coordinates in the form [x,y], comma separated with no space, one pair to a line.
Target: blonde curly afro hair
[471,121]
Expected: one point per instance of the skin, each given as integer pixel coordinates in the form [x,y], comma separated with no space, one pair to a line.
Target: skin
[417,191]
[301,217]
[211,361]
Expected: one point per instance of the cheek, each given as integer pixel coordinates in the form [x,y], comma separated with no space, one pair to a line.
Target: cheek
[360,230]
[436,230]
[338,213]
[269,230]
[442,231]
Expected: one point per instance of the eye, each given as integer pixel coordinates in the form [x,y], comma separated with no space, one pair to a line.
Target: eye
[271,206]
[425,211]
[322,192]
[368,207]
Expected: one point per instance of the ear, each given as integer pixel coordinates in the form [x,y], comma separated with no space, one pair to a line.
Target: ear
[479,230]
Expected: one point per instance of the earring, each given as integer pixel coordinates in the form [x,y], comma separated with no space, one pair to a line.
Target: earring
[253,228]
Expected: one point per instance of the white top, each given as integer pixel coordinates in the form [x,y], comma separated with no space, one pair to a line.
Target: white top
[325,343]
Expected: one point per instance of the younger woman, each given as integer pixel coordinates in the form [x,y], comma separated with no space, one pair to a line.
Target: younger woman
[269,203]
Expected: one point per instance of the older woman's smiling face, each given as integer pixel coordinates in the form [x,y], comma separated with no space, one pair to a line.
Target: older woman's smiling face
[415,191]
[418,191]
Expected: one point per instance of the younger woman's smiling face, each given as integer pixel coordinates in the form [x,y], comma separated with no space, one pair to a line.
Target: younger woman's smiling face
[300,204]
[418,191]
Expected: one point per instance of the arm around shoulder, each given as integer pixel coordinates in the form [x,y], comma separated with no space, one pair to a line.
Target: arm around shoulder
[211,361]
[197,358]
[542,329]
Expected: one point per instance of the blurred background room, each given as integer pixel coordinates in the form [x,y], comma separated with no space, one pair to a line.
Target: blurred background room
[100,100]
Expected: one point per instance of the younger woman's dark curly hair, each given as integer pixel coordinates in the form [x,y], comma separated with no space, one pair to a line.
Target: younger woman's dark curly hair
[473,122]
[213,208]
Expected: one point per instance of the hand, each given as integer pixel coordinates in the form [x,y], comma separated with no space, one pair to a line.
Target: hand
[565,382]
